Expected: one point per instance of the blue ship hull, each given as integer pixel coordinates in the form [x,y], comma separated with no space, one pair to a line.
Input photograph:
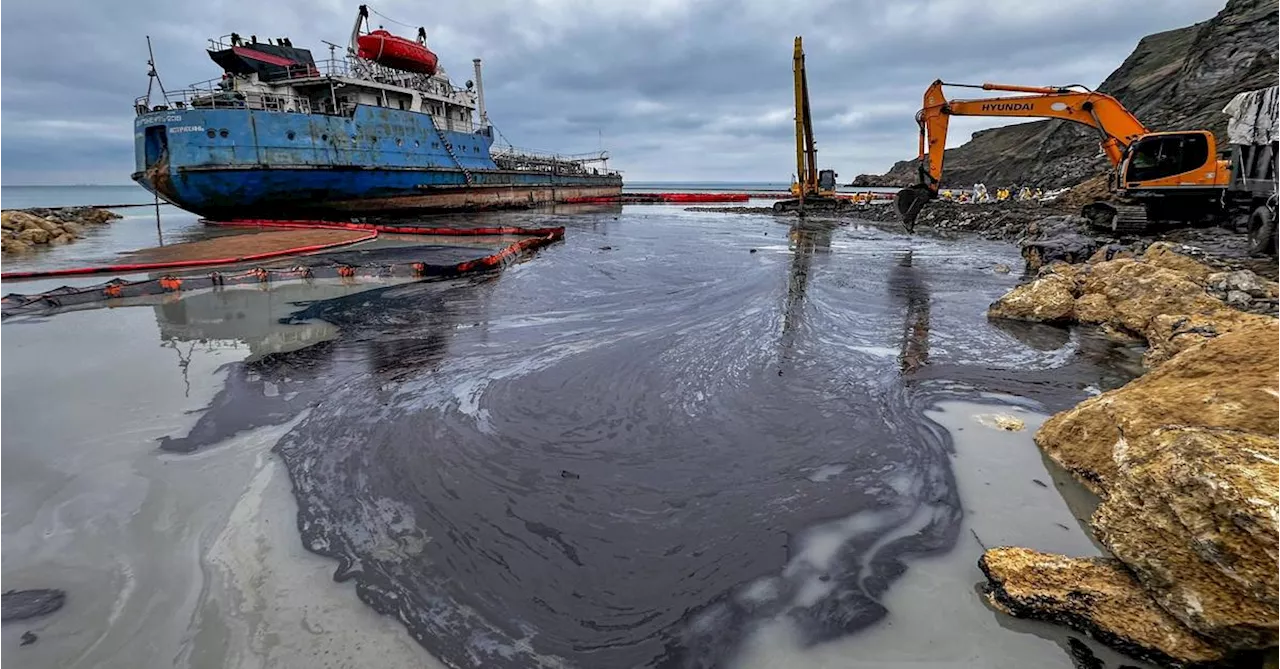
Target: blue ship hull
[242,163]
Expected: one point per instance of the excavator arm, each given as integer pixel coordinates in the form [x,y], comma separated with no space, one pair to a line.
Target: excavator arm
[1117,128]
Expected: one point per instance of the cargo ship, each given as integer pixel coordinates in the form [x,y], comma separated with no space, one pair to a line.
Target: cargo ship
[378,130]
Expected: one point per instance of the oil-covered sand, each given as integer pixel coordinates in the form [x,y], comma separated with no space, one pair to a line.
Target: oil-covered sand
[675,439]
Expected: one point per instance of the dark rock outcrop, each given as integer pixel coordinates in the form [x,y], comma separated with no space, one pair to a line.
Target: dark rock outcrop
[23,604]
[1174,80]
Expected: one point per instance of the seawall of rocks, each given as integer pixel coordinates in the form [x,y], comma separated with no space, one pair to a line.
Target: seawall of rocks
[23,230]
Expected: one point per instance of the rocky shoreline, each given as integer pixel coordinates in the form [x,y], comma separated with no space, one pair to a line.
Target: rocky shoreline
[23,230]
[1184,459]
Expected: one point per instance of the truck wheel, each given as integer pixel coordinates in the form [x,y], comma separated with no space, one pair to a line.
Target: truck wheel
[1262,232]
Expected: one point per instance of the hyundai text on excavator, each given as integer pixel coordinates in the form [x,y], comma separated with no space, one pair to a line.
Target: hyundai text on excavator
[813,189]
[1157,175]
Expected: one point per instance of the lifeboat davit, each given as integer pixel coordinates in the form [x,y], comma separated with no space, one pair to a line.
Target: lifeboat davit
[396,52]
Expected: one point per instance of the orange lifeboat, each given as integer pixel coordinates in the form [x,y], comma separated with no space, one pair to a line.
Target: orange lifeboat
[396,52]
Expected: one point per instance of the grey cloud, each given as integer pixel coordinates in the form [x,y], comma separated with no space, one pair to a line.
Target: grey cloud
[677,90]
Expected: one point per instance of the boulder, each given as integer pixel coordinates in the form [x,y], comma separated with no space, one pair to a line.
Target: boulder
[1244,281]
[1049,299]
[54,228]
[1111,252]
[10,220]
[1238,299]
[1176,258]
[13,245]
[1074,272]
[1092,309]
[1193,515]
[1170,334]
[34,236]
[94,216]
[1229,382]
[18,220]
[1097,596]
[73,229]
[1071,247]
[61,239]
[1136,291]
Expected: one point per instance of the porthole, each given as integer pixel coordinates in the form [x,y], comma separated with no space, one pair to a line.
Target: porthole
[223,133]
[290,134]
[211,133]
[373,140]
[324,138]
[399,142]
[416,144]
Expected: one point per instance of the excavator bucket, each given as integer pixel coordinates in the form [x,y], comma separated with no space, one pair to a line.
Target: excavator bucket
[910,201]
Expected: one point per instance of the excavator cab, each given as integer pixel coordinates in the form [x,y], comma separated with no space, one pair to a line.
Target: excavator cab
[1172,160]
[827,182]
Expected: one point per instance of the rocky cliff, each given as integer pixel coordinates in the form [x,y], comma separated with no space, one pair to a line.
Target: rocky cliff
[1175,80]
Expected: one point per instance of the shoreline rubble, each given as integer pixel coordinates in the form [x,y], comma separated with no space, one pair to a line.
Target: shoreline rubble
[24,230]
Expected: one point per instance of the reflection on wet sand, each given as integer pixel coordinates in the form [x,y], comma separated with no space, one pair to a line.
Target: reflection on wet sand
[907,285]
[271,386]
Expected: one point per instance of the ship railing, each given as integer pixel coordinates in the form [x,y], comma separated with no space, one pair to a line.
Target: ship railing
[331,67]
[367,70]
[213,95]
[526,160]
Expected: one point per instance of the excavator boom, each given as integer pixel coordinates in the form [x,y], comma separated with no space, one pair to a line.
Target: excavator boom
[806,151]
[1117,127]
[814,186]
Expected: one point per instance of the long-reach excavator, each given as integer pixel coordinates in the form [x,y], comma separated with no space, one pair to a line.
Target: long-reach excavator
[813,189]
[1157,176]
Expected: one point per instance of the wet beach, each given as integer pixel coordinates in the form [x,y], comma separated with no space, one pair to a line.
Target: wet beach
[676,438]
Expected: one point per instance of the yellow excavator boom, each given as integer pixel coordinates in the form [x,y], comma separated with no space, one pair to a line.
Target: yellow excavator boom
[806,150]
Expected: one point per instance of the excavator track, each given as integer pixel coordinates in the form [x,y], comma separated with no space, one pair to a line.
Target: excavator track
[1118,219]
[1129,219]
[814,204]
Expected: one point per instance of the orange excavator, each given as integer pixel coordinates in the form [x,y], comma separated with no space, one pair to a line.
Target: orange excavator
[1157,176]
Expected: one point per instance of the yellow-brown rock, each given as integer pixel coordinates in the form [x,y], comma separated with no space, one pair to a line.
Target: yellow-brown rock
[1166,255]
[1092,309]
[44,226]
[1193,515]
[1104,254]
[34,236]
[21,220]
[96,216]
[1137,291]
[1048,299]
[11,244]
[1095,595]
[1229,382]
[1168,335]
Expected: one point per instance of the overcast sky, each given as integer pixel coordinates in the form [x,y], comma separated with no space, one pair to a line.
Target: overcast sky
[676,90]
